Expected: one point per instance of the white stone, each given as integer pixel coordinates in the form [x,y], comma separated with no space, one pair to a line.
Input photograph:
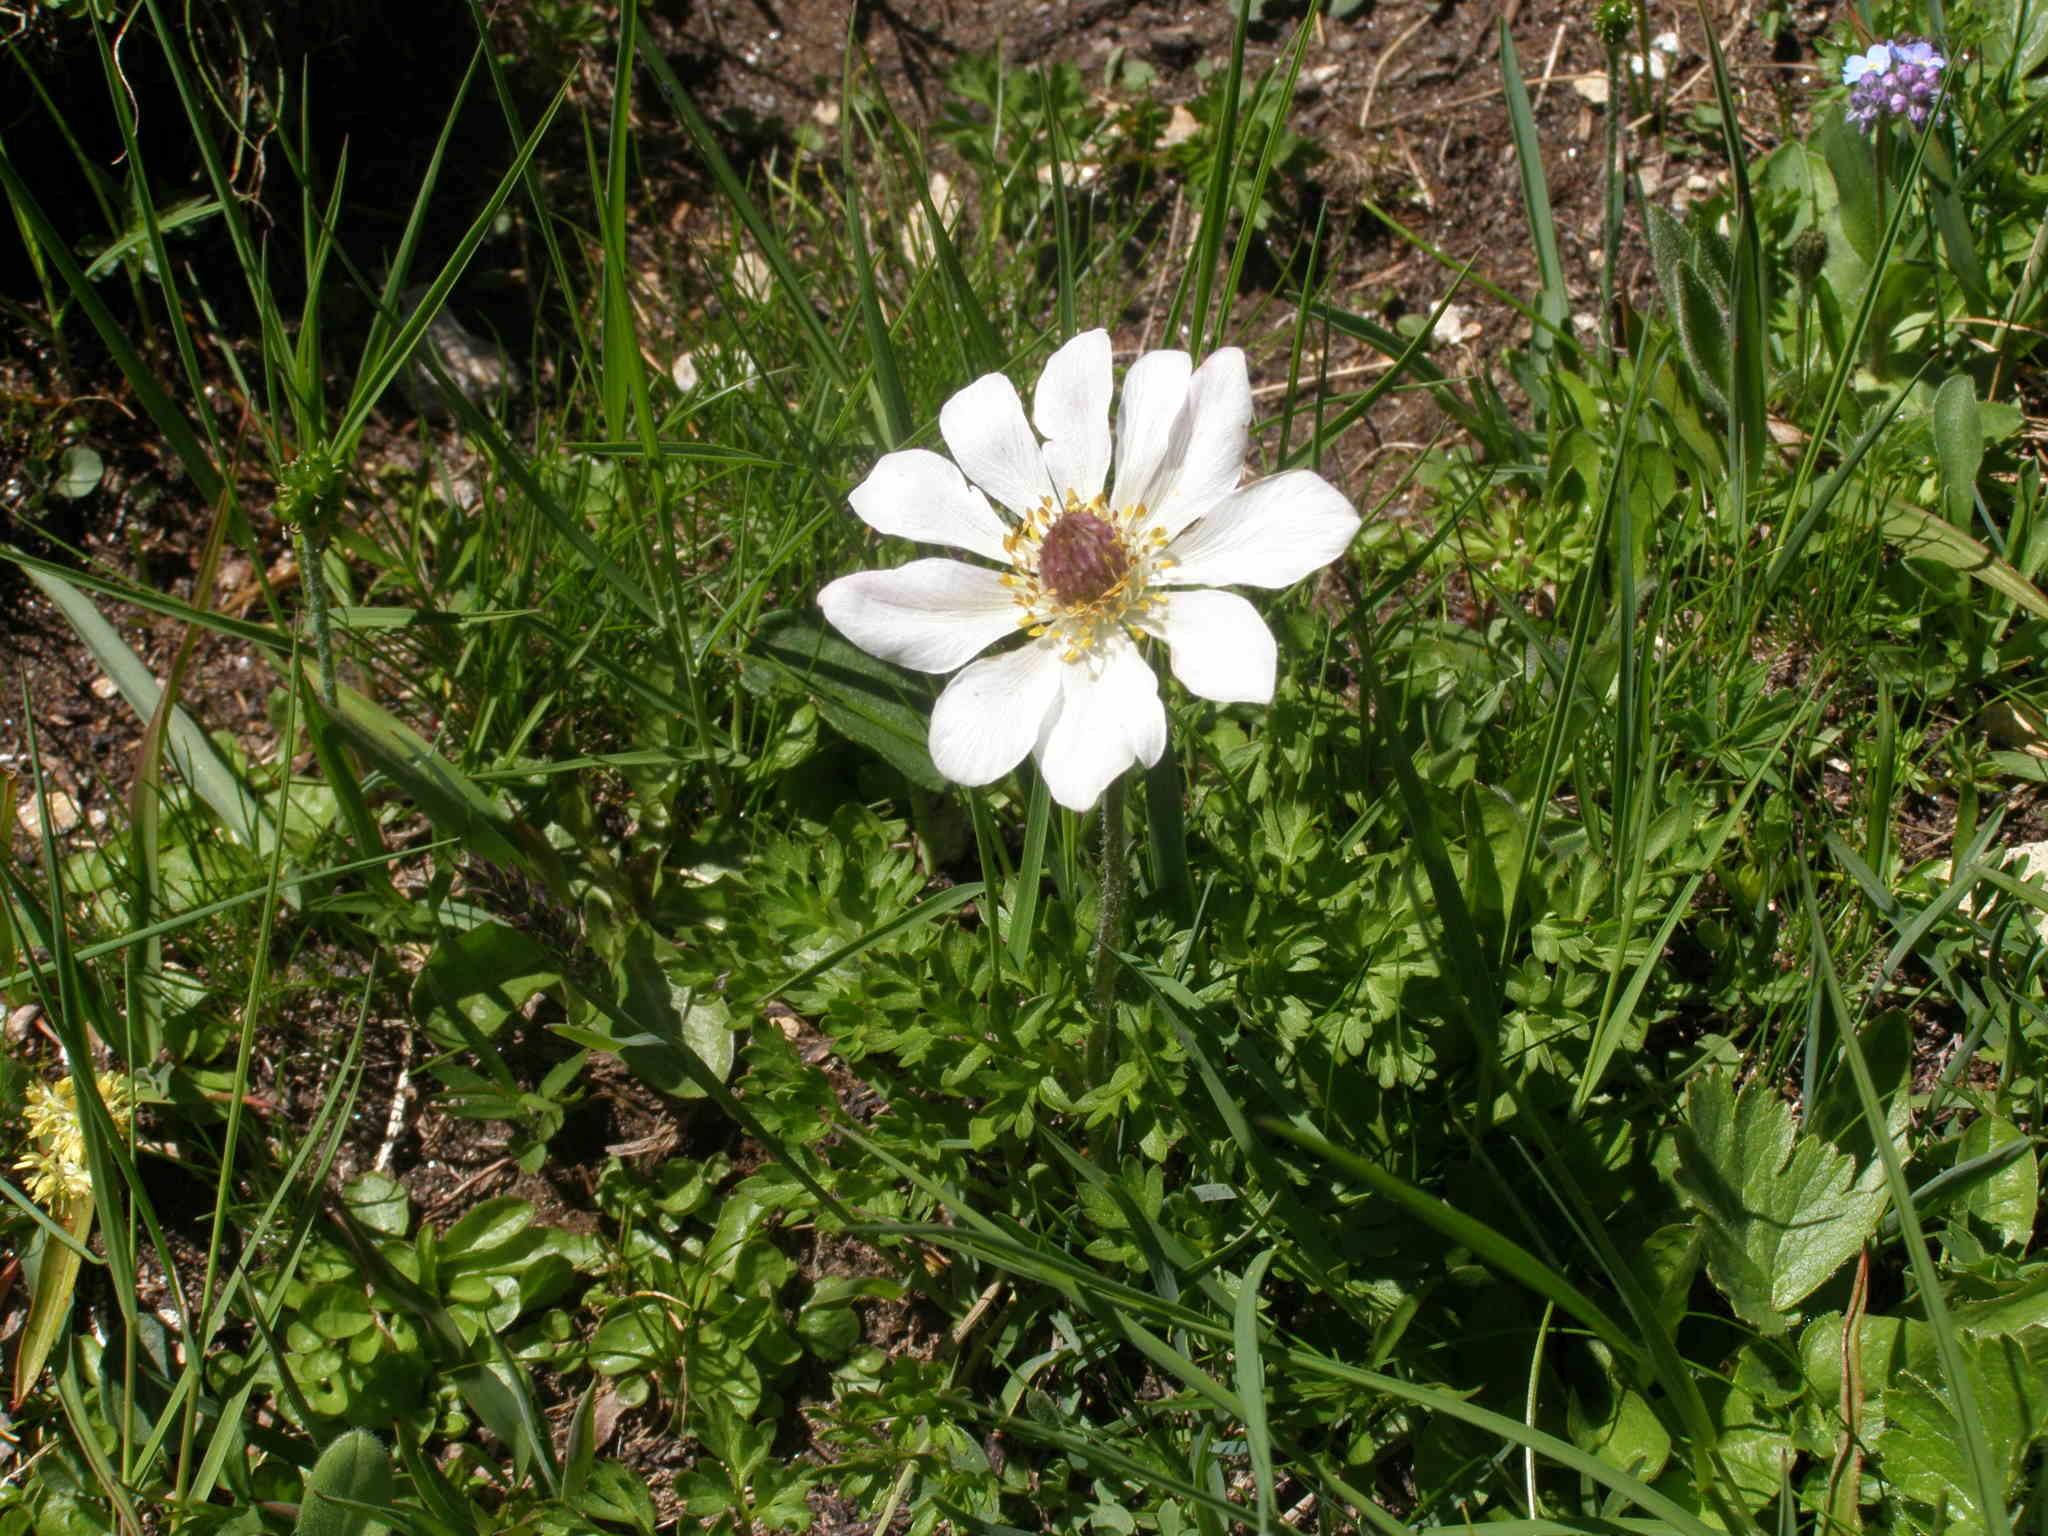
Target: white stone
[63,814]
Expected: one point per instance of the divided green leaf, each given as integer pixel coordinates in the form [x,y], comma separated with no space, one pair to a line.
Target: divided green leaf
[1781,1211]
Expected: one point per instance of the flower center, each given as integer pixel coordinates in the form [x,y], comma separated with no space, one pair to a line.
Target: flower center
[1081,558]
[1084,572]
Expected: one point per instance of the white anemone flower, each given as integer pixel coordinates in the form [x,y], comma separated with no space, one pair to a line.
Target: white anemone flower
[1088,562]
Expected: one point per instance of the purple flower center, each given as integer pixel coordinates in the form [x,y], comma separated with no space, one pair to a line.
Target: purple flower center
[1081,558]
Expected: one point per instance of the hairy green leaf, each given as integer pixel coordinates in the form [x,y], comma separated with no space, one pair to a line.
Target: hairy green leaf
[354,1471]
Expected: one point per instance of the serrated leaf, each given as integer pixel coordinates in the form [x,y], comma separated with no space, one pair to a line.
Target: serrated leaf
[862,698]
[1780,1211]
[354,1470]
[615,1493]
[2007,1201]
[1922,1455]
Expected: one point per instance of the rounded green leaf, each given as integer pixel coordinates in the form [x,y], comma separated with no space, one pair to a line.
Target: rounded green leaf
[81,473]
[339,1311]
[474,981]
[379,1202]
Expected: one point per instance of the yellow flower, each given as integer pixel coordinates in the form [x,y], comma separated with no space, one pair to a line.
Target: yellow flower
[56,1166]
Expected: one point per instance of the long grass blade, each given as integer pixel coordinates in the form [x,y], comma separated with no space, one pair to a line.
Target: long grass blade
[1989,1486]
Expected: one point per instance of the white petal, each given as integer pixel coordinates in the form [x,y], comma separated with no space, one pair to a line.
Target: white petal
[1219,425]
[1219,645]
[1270,534]
[929,614]
[984,425]
[1151,426]
[1071,408]
[992,713]
[921,495]
[1109,718]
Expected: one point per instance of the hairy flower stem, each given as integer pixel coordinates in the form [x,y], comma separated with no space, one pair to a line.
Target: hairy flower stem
[1116,877]
[313,581]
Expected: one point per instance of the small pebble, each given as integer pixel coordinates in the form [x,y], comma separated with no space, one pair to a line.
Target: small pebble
[63,814]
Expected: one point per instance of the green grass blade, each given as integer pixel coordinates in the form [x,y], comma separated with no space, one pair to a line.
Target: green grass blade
[1030,872]
[1166,827]
[1280,82]
[923,912]
[1749,333]
[1495,1249]
[623,375]
[1251,1382]
[823,348]
[1200,277]
[448,797]
[1057,159]
[199,760]
[1553,300]
[1676,1517]
[260,636]
[169,419]
[49,1308]
[892,403]
[1990,1488]
[382,365]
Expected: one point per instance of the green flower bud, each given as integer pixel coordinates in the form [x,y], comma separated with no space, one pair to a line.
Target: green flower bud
[1809,255]
[303,485]
[1614,20]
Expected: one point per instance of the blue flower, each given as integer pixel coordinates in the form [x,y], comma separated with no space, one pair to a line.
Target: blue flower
[1898,78]
[1857,65]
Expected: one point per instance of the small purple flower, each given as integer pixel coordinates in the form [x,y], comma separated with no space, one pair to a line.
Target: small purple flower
[1896,79]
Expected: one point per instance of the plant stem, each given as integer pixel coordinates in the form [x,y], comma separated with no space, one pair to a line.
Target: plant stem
[1116,876]
[1611,209]
[313,582]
